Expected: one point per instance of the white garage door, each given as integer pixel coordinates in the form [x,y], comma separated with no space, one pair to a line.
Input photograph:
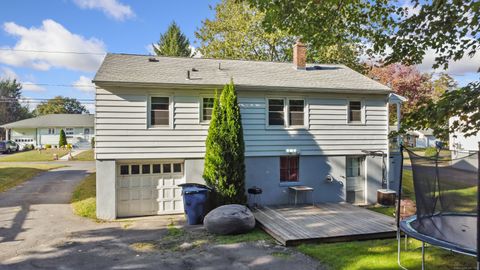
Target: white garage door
[149,188]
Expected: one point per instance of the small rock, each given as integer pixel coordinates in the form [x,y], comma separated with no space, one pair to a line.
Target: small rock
[186,246]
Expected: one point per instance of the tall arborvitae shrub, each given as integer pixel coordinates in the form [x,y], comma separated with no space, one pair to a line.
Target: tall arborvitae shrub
[225,155]
[63,139]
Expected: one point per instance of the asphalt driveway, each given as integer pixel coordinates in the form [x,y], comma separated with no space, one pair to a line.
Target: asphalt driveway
[39,231]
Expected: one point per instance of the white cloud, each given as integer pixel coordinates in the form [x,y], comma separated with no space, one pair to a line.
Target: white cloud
[7,73]
[149,49]
[111,8]
[455,68]
[31,86]
[84,84]
[90,107]
[195,53]
[51,36]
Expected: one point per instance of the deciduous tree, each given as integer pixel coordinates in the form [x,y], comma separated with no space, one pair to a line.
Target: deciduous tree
[237,32]
[59,105]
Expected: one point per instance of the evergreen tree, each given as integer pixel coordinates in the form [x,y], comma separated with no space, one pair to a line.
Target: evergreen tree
[225,155]
[63,139]
[173,43]
[10,108]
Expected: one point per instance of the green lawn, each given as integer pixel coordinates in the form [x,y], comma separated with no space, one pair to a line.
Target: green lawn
[83,198]
[382,254]
[12,175]
[85,156]
[34,155]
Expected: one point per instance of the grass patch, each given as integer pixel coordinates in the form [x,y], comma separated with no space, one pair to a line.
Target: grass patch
[143,246]
[34,155]
[87,155]
[15,174]
[83,198]
[283,255]
[255,235]
[382,254]
[386,210]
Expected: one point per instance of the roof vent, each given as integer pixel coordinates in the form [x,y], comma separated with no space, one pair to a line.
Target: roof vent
[219,66]
[194,69]
[152,59]
[188,74]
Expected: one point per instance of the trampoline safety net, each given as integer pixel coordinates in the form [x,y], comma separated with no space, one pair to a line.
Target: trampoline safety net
[445,192]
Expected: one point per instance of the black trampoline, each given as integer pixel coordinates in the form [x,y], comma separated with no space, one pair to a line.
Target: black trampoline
[446,197]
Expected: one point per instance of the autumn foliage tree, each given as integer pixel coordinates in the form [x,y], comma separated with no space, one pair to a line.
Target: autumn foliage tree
[406,81]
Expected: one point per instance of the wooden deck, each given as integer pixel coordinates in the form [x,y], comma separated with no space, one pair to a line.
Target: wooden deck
[326,222]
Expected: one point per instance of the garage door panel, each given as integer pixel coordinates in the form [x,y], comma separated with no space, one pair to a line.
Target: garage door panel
[150,191]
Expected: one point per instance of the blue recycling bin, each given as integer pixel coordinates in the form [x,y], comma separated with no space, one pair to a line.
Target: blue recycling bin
[195,198]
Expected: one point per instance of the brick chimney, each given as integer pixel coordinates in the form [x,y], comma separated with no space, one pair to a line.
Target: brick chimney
[299,55]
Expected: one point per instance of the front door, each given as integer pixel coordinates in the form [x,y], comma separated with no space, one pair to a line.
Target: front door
[355,186]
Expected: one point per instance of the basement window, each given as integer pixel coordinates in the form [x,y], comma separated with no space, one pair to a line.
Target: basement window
[289,168]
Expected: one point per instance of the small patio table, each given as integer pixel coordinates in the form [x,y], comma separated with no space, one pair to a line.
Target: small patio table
[303,189]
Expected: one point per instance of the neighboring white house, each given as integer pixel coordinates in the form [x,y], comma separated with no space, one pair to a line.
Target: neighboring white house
[461,146]
[421,138]
[42,130]
[303,125]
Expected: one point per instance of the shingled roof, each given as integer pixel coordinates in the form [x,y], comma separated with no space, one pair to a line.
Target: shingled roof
[153,70]
[54,120]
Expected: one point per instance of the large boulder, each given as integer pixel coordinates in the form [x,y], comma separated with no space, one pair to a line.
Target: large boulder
[229,219]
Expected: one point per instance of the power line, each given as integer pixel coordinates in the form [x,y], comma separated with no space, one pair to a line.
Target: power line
[57,52]
[61,85]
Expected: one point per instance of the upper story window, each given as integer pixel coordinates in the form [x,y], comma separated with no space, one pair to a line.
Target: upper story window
[159,111]
[296,112]
[355,112]
[207,108]
[286,112]
[69,131]
[289,168]
[51,131]
[276,112]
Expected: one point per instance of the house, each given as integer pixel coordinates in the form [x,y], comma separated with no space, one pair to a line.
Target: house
[322,126]
[45,130]
[421,138]
[463,146]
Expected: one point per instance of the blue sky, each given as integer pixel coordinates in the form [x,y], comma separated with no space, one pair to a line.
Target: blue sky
[103,26]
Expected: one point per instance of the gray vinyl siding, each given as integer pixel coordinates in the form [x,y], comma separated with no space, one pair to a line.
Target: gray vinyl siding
[122,130]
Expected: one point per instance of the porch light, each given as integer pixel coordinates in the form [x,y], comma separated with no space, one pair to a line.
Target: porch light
[292,151]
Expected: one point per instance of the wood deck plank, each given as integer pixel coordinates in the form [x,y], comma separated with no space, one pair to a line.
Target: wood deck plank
[323,222]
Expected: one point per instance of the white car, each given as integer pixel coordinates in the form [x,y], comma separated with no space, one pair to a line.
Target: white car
[7,147]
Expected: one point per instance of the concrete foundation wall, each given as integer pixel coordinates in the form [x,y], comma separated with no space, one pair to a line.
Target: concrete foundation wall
[374,167]
[394,175]
[106,189]
[264,172]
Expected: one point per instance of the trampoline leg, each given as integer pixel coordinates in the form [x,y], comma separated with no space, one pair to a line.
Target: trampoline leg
[399,244]
[423,255]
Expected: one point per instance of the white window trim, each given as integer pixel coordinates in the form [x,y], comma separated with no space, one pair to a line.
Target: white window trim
[362,113]
[170,112]
[286,112]
[200,110]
